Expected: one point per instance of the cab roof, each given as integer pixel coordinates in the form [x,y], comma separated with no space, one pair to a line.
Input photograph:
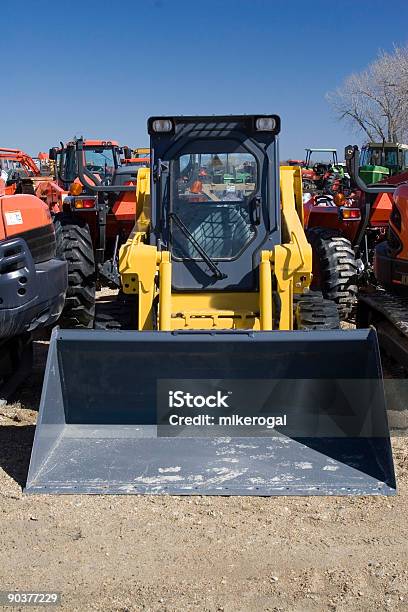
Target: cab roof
[99,143]
[386,145]
[321,150]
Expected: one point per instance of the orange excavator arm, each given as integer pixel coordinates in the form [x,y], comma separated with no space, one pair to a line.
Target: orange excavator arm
[20,156]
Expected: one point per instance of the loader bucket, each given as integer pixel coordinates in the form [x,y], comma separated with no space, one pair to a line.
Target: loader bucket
[315,403]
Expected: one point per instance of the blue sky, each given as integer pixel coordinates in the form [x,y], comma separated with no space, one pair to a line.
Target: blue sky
[100,68]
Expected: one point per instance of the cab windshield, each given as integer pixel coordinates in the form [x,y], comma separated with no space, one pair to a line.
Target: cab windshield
[212,196]
[379,157]
[100,161]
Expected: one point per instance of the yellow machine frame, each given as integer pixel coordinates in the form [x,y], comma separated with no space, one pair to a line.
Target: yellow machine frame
[287,269]
[142,151]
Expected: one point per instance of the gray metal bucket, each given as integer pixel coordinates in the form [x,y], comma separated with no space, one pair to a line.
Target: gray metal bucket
[104,421]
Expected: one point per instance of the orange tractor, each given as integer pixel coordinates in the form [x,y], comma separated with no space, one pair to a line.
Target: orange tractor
[20,172]
[33,282]
[384,302]
[93,202]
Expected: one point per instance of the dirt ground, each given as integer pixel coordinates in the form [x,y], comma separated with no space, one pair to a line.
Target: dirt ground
[202,553]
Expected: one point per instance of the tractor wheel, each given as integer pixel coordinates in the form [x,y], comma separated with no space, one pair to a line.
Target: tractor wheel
[74,244]
[119,312]
[313,311]
[335,268]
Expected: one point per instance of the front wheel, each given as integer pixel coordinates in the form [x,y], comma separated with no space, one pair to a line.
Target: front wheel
[335,268]
[74,244]
[314,312]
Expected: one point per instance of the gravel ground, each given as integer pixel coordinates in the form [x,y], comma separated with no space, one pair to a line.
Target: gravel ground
[202,553]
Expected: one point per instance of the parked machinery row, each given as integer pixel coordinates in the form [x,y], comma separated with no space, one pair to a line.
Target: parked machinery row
[214,252]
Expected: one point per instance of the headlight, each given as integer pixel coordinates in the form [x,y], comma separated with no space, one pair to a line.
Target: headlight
[162,125]
[265,124]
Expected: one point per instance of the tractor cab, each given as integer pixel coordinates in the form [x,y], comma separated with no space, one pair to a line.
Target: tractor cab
[381,160]
[100,158]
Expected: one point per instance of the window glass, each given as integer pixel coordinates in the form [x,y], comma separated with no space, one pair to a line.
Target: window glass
[66,162]
[212,197]
[391,158]
[100,161]
[364,160]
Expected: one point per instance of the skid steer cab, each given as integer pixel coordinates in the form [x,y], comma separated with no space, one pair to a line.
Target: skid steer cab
[230,383]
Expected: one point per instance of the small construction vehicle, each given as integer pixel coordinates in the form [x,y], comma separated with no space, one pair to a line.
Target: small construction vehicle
[384,302]
[93,205]
[229,343]
[33,282]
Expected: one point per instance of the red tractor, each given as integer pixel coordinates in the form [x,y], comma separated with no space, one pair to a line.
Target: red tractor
[322,177]
[93,202]
[344,230]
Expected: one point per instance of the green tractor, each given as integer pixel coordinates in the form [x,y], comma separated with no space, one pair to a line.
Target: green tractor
[381,160]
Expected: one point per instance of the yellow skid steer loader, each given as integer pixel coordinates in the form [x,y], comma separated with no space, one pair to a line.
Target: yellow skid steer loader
[236,379]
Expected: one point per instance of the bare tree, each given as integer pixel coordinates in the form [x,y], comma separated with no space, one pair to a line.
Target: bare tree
[375,101]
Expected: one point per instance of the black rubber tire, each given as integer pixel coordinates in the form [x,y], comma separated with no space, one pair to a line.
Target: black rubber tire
[335,268]
[74,244]
[16,361]
[116,313]
[314,312]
